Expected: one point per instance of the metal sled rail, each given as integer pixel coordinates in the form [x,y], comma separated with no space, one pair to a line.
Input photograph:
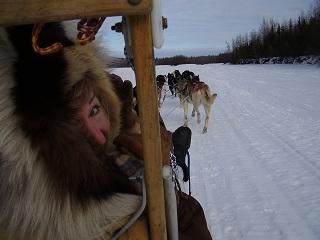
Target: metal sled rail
[15,12]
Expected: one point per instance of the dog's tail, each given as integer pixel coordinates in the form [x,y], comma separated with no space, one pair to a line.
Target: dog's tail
[212,98]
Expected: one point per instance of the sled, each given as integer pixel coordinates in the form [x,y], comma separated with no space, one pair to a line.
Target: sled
[143,39]
[158,24]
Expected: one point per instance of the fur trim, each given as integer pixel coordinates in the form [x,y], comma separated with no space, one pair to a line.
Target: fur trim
[84,60]
[64,192]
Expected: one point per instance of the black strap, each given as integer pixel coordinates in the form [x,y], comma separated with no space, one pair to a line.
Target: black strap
[189,167]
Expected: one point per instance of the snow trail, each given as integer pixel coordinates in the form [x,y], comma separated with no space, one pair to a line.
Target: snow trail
[257,170]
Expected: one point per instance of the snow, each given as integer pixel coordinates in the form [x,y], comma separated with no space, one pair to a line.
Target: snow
[257,170]
[308,59]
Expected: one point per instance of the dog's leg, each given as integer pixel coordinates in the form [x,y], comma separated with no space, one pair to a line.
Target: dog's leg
[159,98]
[196,107]
[185,110]
[193,112]
[164,90]
[207,110]
[196,103]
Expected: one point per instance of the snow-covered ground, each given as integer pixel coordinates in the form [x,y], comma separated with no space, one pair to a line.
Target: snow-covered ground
[257,170]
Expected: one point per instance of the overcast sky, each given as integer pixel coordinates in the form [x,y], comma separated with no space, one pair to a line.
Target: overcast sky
[202,27]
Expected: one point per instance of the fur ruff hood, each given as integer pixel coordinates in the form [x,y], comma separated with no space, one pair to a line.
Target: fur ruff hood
[62,192]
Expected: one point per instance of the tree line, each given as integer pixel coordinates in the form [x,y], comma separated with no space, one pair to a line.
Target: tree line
[174,61]
[291,38]
[180,59]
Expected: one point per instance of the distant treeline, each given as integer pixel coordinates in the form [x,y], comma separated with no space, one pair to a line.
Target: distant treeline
[180,59]
[176,60]
[290,39]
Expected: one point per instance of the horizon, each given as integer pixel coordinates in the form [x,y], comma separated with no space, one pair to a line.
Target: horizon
[168,53]
[206,29]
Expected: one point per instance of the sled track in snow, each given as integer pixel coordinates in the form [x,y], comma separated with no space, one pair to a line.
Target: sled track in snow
[305,162]
[280,174]
[270,194]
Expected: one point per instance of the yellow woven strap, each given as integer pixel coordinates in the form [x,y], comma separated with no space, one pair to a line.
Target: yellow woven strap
[46,50]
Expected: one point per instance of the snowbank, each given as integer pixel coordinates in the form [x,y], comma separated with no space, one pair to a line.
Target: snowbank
[310,59]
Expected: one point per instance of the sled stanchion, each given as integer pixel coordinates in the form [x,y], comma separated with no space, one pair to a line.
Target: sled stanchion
[32,11]
[142,45]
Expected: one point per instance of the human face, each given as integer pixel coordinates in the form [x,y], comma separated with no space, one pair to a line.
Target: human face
[95,120]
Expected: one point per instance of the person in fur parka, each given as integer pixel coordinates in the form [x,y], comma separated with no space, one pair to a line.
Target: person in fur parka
[57,180]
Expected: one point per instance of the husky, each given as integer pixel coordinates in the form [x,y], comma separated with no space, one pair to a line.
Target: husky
[161,79]
[197,93]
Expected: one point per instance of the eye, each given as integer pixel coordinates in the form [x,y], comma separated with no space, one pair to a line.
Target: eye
[94,110]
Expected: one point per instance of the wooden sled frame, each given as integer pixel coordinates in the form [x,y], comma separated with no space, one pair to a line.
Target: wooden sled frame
[15,12]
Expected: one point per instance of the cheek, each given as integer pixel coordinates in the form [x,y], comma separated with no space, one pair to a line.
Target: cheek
[97,126]
[101,121]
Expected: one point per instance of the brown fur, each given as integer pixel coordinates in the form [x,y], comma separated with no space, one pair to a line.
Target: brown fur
[197,93]
[53,182]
